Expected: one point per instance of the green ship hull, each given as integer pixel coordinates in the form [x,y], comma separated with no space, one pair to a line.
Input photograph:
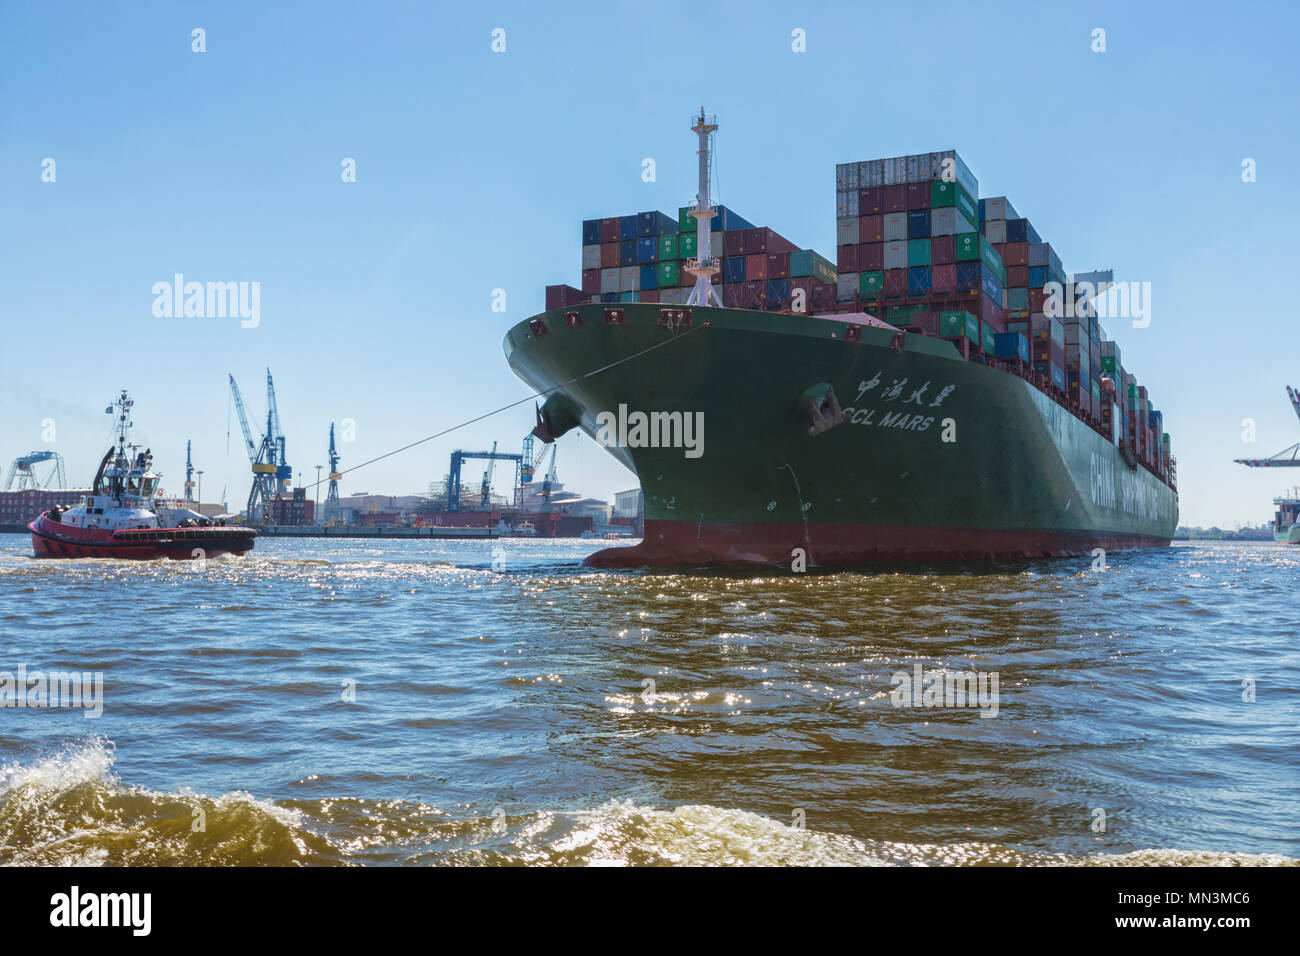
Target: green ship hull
[936,457]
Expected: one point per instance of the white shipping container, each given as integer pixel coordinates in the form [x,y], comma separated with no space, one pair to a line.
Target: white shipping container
[846,203]
[918,168]
[629,279]
[895,171]
[608,280]
[995,230]
[995,209]
[591,256]
[963,224]
[846,231]
[895,225]
[871,173]
[943,221]
[895,255]
[668,296]
[846,176]
[715,244]
[845,286]
[963,175]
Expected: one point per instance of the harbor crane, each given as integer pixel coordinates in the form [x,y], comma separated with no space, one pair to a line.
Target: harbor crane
[485,493]
[189,472]
[23,468]
[333,514]
[458,457]
[1287,457]
[267,456]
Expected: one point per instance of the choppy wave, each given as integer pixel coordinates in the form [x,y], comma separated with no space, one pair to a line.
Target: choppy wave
[72,809]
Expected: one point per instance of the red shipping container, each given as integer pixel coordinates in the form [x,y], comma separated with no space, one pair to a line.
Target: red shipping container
[1016,254]
[731,295]
[991,314]
[751,294]
[651,296]
[895,282]
[823,295]
[871,229]
[1037,299]
[871,257]
[895,198]
[756,265]
[610,255]
[591,281]
[918,196]
[778,265]
[871,201]
[755,242]
[1017,277]
[561,296]
[846,259]
[610,230]
[943,250]
[779,243]
[733,242]
[944,278]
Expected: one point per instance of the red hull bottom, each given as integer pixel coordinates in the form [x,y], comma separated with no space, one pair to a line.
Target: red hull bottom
[676,543]
[52,540]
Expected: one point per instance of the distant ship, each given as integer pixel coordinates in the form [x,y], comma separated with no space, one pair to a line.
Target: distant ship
[1286,523]
[122,518]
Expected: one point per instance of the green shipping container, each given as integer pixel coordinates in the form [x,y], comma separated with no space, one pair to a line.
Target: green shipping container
[902,314]
[990,343]
[685,221]
[990,257]
[1096,392]
[954,194]
[823,270]
[668,274]
[968,246]
[1108,364]
[686,243]
[667,248]
[870,284]
[801,263]
[918,252]
[956,325]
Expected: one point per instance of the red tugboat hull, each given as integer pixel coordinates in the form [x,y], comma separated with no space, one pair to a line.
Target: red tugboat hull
[52,539]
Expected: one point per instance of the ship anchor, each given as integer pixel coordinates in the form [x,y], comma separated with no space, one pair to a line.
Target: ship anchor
[823,408]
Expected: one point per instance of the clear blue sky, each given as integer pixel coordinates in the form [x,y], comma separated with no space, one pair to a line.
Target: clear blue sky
[475,170]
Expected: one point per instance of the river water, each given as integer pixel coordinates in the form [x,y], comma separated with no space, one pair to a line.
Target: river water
[449,702]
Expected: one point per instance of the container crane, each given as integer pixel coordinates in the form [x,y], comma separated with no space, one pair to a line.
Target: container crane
[1287,457]
[189,472]
[28,478]
[261,455]
[333,514]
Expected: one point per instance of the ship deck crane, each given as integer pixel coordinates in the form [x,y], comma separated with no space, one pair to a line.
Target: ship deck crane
[1287,457]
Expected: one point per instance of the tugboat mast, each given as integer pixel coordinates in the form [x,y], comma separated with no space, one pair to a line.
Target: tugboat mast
[703,266]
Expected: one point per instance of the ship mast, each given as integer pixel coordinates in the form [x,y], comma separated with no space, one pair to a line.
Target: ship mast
[703,266]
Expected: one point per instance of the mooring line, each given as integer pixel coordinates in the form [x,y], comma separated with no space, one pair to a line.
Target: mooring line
[528,398]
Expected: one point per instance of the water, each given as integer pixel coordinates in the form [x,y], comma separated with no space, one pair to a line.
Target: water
[502,715]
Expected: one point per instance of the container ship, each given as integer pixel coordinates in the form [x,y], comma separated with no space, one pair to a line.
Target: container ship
[1286,522]
[917,400]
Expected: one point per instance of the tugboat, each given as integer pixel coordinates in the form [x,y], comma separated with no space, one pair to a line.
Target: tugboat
[120,518]
[1286,523]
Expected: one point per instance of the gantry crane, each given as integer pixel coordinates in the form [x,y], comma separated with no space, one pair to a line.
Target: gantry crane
[1287,457]
[333,513]
[27,475]
[458,457]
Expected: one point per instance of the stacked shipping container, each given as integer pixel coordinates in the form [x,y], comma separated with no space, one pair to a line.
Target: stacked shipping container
[642,258]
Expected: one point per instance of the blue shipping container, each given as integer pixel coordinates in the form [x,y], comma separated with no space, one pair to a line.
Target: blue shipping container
[609,297]
[629,227]
[1037,277]
[649,277]
[655,224]
[1016,230]
[968,276]
[590,231]
[627,253]
[778,291]
[647,249]
[1031,234]
[918,280]
[1017,299]
[733,269]
[1011,345]
[918,224]
[990,285]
